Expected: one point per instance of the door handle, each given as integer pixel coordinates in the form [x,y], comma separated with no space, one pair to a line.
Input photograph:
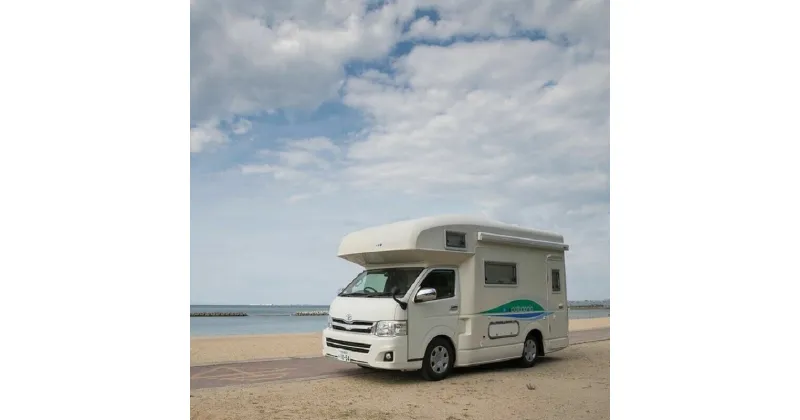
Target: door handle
[560,306]
[454,307]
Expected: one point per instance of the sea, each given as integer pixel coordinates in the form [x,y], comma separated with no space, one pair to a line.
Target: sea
[280,319]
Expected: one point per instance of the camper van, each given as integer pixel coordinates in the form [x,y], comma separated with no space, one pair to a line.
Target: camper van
[449,291]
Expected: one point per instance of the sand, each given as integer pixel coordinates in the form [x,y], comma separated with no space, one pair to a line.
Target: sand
[570,384]
[589,324]
[207,350]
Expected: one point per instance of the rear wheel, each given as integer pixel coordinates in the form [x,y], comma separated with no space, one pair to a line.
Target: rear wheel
[438,361]
[530,350]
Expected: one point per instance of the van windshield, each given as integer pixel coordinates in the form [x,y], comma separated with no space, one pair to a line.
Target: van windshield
[379,282]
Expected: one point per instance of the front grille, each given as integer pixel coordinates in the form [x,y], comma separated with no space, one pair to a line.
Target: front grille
[341,321]
[363,330]
[348,345]
[363,327]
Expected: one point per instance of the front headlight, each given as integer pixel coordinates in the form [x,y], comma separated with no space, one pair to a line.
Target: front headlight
[390,328]
[330,322]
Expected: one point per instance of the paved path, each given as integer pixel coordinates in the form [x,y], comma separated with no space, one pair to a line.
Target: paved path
[304,369]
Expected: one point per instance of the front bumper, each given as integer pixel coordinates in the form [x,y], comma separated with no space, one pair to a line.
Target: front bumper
[368,350]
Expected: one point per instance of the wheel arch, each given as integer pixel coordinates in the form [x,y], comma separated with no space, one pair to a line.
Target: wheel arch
[445,333]
[539,337]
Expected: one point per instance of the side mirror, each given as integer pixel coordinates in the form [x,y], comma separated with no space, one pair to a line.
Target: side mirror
[339,290]
[425,295]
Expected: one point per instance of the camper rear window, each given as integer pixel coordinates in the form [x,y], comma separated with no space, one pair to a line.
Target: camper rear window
[556,276]
[496,273]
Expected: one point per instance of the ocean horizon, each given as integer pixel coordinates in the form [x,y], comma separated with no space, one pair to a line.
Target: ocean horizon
[279,319]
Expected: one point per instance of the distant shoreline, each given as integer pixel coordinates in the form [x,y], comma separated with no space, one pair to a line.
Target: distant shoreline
[577,306]
[260,305]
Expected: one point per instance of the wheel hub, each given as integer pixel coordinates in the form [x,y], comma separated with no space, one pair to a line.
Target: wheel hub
[530,349]
[439,359]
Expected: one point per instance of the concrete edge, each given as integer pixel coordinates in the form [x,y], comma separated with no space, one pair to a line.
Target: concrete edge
[270,359]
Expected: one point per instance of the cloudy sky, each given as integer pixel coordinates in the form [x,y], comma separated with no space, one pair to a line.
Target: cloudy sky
[312,119]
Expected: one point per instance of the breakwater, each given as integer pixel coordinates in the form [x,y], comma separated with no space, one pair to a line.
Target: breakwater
[311,313]
[219,314]
[589,307]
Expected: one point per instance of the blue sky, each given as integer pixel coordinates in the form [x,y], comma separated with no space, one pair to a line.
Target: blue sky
[312,120]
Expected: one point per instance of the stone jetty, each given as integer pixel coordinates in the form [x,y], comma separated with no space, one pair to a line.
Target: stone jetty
[219,314]
[311,313]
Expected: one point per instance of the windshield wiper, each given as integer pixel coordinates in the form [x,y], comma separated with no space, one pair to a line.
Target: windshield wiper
[379,294]
[352,294]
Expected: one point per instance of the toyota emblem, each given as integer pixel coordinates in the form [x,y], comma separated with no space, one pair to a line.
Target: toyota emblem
[349,318]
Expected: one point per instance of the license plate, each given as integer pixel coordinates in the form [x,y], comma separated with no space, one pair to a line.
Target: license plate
[343,356]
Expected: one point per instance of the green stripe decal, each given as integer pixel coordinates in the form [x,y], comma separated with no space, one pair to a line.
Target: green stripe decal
[516,306]
[521,308]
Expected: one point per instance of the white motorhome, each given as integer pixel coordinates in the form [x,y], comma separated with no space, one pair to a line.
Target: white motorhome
[449,291]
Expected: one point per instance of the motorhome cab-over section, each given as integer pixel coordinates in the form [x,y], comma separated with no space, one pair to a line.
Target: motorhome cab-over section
[449,291]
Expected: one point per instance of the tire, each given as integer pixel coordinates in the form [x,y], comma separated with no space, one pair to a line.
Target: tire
[530,351]
[365,366]
[438,361]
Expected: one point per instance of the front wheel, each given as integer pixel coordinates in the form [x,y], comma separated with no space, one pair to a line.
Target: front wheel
[438,360]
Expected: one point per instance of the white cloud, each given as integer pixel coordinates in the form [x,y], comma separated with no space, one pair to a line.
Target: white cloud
[513,128]
[579,21]
[304,162]
[257,169]
[206,135]
[479,120]
[298,197]
[249,57]
[477,116]
[241,127]
[311,153]
[315,144]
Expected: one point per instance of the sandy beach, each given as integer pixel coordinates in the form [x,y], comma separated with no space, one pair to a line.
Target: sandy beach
[570,384]
[206,350]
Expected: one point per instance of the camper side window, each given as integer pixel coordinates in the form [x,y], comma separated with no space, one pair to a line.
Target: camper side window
[555,277]
[444,281]
[497,273]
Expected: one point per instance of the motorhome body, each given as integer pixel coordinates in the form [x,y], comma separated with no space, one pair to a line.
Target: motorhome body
[449,291]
